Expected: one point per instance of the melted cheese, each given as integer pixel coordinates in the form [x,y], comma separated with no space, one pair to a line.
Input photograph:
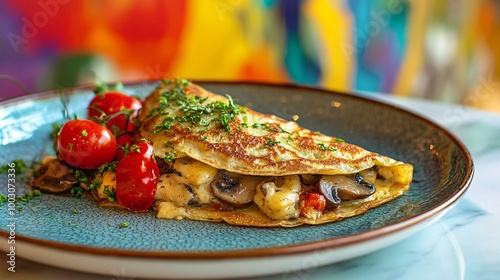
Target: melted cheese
[279,199]
[198,176]
[190,184]
[168,210]
[171,187]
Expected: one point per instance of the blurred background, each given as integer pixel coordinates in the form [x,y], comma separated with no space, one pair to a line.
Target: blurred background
[447,50]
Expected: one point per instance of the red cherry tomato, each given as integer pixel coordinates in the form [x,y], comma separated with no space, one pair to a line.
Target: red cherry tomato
[136,178]
[85,144]
[113,102]
[315,201]
[124,141]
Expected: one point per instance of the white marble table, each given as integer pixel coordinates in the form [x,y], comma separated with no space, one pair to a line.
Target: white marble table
[464,244]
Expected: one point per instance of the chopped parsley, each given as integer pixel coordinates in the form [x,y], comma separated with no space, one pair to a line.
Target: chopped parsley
[109,166]
[94,184]
[325,148]
[123,225]
[26,198]
[76,191]
[84,133]
[195,110]
[81,176]
[18,165]
[270,142]
[169,157]
[270,128]
[110,193]
[3,199]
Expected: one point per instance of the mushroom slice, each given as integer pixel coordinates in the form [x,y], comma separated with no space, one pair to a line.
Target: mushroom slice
[348,187]
[54,176]
[236,189]
[367,176]
[330,192]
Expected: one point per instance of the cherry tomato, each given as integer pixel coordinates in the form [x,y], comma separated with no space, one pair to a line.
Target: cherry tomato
[136,178]
[85,144]
[124,141]
[315,201]
[112,103]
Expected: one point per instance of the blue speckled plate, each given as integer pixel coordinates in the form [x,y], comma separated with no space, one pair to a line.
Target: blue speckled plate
[50,231]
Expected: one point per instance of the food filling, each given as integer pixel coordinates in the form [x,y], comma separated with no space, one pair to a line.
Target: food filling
[185,183]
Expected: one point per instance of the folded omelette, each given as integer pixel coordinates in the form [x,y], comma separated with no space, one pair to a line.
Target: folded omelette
[223,162]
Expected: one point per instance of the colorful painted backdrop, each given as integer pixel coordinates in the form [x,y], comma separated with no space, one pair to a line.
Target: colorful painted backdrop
[439,49]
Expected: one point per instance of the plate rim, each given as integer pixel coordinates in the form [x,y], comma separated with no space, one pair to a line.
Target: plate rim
[336,242]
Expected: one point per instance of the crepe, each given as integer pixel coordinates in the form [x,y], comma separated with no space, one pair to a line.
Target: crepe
[203,137]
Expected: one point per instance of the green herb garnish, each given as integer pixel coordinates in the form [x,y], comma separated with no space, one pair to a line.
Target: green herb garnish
[76,191]
[81,176]
[325,148]
[24,199]
[18,165]
[109,166]
[269,143]
[94,184]
[268,126]
[3,199]
[169,157]
[110,193]
[194,110]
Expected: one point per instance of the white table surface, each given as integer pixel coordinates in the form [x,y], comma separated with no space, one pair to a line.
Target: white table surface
[464,244]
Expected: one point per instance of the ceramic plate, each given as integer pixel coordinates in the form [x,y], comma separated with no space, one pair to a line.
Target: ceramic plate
[77,234]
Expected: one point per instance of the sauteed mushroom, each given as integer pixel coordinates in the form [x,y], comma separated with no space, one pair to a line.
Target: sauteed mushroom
[235,189]
[330,192]
[343,187]
[348,187]
[54,176]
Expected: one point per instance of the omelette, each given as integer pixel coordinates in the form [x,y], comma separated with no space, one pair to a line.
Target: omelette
[220,161]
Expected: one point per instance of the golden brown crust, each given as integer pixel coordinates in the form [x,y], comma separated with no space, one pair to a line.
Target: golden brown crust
[257,144]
